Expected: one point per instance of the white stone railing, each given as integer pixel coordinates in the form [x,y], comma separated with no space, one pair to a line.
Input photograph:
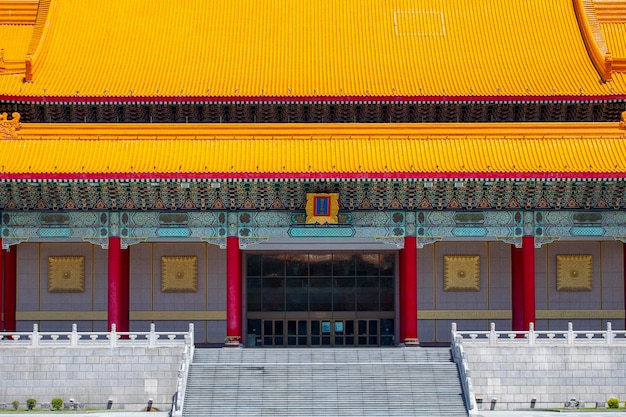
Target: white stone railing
[183,374]
[112,338]
[458,355]
[534,337]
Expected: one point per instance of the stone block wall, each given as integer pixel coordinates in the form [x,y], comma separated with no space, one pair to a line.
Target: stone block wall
[514,375]
[129,376]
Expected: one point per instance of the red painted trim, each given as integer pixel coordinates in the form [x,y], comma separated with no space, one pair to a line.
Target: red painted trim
[408,289]
[528,254]
[234,314]
[310,175]
[10,288]
[310,99]
[517,289]
[115,283]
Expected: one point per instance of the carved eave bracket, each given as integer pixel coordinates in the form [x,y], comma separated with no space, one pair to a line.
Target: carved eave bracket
[9,127]
[103,242]
[511,240]
[544,240]
[129,241]
[215,240]
[244,242]
[7,242]
[427,240]
[396,241]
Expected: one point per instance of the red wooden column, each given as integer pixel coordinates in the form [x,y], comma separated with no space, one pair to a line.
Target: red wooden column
[528,277]
[124,324]
[115,282]
[10,288]
[517,289]
[408,290]
[234,313]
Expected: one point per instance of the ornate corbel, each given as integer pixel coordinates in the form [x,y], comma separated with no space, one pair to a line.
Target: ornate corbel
[511,240]
[129,241]
[244,242]
[7,242]
[103,242]
[215,240]
[398,241]
[427,240]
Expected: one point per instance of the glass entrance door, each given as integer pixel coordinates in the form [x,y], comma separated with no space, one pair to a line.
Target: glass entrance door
[320,332]
[320,299]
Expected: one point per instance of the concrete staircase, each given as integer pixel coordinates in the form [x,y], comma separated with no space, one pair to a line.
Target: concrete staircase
[323,382]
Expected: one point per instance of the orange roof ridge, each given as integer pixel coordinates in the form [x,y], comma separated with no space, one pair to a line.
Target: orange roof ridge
[593,38]
[35,51]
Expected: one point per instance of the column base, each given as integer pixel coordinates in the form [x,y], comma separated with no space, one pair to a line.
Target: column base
[233,341]
[411,343]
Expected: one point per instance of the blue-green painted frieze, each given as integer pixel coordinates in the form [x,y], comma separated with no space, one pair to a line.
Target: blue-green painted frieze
[257,226]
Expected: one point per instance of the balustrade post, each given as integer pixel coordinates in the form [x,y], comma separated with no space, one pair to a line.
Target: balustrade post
[113,335]
[35,336]
[570,333]
[74,335]
[152,337]
[191,334]
[609,333]
[492,334]
[531,333]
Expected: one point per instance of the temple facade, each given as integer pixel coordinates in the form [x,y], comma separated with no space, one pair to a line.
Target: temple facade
[338,184]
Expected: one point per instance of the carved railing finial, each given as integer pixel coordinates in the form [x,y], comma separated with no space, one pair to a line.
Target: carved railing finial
[8,128]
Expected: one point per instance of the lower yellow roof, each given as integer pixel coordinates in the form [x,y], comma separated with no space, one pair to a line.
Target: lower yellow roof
[296,49]
[276,151]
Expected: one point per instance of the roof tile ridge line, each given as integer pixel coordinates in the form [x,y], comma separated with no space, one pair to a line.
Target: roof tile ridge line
[34,52]
[593,38]
[120,100]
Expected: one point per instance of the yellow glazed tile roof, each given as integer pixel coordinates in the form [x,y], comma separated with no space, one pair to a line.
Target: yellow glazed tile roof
[294,49]
[12,55]
[277,151]
[18,12]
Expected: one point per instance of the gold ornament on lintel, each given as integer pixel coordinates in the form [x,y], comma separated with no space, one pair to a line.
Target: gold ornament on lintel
[322,208]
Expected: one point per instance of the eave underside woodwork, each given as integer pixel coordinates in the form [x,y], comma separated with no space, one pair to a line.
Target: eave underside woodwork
[321,112]
[354,195]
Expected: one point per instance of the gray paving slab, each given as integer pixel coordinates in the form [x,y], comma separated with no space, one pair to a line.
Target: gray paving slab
[112,413]
[552,413]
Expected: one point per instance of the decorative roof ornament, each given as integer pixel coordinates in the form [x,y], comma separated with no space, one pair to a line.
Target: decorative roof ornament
[622,123]
[8,128]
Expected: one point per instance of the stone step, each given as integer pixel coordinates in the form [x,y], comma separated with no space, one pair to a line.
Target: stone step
[328,382]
